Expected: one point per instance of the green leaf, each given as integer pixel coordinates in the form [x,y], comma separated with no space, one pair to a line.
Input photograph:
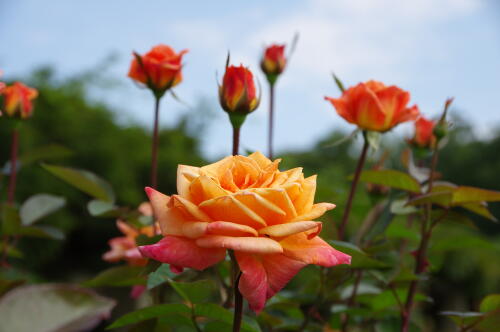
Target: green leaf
[391,178]
[400,231]
[216,312]
[162,275]
[11,222]
[480,208]
[83,180]
[359,258]
[194,292]
[490,303]
[98,208]
[52,307]
[119,276]
[465,194]
[400,207]
[38,206]
[439,198]
[463,318]
[149,313]
[43,231]
[51,151]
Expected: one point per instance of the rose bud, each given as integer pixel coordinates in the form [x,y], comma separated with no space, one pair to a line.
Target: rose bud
[159,69]
[374,106]
[18,100]
[273,62]
[424,136]
[237,94]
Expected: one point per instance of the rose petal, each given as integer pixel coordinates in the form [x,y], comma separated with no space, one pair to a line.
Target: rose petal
[185,175]
[264,275]
[228,208]
[312,251]
[191,211]
[183,252]
[204,188]
[278,197]
[304,202]
[289,228]
[170,220]
[230,229]
[256,245]
[316,211]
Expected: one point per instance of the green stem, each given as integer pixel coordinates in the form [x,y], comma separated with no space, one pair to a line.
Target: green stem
[271,121]
[154,146]
[355,180]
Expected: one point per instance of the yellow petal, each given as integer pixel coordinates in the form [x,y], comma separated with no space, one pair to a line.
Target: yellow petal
[263,207]
[170,221]
[185,174]
[203,188]
[304,201]
[228,208]
[261,160]
[230,229]
[189,209]
[194,229]
[278,197]
[255,245]
[317,210]
[290,228]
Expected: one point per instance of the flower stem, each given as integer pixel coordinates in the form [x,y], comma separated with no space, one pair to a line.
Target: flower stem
[238,298]
[154,145]
[271,121]
[421,260]
[236,140]
[13,167]
[355,180]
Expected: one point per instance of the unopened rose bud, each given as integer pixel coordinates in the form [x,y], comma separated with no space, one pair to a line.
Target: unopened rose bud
[237,94]
[424,134]
[18,100]
[273,62]
[159,69]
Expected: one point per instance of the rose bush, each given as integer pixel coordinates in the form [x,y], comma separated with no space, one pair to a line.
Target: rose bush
[247,205]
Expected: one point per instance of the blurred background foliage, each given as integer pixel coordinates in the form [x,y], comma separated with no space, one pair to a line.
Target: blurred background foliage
[464,265]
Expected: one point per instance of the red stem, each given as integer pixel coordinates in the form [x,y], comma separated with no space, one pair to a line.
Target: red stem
[271,120]
[236,140]
[421,259]
[154,146]
[354,184]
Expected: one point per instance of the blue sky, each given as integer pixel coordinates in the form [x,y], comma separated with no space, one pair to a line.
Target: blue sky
[433,48]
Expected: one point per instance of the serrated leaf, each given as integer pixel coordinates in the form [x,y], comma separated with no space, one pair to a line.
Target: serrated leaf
[39,206]
[391,178]
[149,313]
[162,275]
[52,307]
[83,180]
[119,276]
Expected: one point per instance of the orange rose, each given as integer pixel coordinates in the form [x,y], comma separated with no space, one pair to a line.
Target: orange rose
[18,99]
[274,61]
[247,205]
[159,69]
[237,94]
[125,247]
[374,106]
[424,136]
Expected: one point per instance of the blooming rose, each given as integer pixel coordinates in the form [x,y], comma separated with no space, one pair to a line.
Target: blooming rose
[125,247]
[424,136]
[374,106]
[274,61]
[247,205]
[237,93]
[18,99]
[159,69]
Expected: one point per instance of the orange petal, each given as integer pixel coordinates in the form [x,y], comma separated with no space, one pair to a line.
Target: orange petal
[228,208]
[393,101]
[263,207]
[317,210]
[369,113]
[261,160]
[126,229]
[189,209]
[304,202]
[230,229]
[264,275]
[183,252]
[254,245]
[185,175]
[289,228]
[170,220]
[204,188]
[278,197]
[312,251]
[342,107]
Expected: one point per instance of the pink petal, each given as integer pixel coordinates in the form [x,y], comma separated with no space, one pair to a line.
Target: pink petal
[183,252]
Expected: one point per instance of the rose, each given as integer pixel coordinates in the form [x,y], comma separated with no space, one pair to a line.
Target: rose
[125,247]
[424,137]
[374,106]
[274,61]
[247,205]
[237,94]
[18,99]
[159,69]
